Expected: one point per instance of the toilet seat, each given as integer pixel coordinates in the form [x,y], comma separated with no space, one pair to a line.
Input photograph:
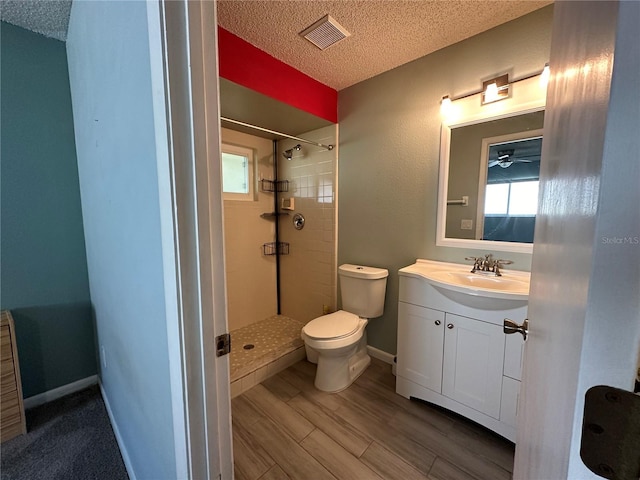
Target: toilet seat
[333,326]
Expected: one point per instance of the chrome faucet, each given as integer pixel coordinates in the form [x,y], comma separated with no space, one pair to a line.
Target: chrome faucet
[477,263]
[499,264]
[488,264]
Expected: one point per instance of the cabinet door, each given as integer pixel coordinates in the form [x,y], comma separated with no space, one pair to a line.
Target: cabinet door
[420,344]
[473,360]
[509,405]
[513,356]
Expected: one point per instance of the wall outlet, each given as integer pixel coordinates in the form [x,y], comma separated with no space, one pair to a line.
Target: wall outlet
[466,224]
[103,357]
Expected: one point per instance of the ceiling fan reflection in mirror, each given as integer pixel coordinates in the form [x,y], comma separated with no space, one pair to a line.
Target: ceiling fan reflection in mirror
[506,158]
[521,151]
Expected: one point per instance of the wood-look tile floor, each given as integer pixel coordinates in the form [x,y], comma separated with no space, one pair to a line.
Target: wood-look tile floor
[284,428]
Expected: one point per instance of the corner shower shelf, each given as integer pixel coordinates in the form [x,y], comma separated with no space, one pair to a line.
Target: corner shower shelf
[275,248]
[274,185]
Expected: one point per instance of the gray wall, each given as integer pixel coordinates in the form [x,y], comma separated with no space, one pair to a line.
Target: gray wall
[111,72]
[44,267]
[389,152]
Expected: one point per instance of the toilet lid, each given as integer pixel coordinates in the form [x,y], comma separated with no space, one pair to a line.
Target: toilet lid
[334,325]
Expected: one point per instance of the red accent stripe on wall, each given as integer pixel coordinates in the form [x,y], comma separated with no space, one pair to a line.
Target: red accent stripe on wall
[244,64]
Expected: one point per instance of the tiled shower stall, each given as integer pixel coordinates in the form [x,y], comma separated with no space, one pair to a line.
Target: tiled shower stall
[263,342]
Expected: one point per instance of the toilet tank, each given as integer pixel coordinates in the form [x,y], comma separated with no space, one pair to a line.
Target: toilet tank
[363,289]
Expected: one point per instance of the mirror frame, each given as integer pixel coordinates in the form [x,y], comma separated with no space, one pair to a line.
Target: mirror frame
[527,96]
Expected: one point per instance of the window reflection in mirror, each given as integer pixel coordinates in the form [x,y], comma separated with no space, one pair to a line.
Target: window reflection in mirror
[510,188]
[496,164]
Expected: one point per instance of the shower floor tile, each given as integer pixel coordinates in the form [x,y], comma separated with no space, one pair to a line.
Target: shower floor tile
[272,338]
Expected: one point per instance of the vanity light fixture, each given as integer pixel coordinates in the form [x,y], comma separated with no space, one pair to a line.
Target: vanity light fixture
[445,104]
[544,76]
[496,89]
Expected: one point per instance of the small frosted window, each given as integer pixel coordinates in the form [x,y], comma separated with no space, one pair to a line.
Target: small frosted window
[237,172]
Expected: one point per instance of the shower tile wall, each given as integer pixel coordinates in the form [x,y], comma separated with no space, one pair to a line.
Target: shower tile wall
[251,277]
[308,273]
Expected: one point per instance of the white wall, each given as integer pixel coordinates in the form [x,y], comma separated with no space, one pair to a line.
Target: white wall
[111,75]
[308,273]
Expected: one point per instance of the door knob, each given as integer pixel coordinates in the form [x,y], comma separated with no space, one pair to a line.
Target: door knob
[509,326]
[437,322]
[450,326]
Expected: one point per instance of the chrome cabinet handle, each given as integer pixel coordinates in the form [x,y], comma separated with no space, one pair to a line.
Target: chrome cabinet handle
[450,326]
[509,327]
[438,322]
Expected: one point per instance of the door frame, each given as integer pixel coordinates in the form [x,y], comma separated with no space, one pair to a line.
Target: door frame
[200,379]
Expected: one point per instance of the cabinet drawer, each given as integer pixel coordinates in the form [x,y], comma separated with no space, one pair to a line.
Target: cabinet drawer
[509,401]
[7,378]
[513,356]
[10,415]
[5,344]
[9,405]
[12,421]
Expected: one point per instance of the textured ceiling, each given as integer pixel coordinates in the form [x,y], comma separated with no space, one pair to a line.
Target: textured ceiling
[384,33]
[47,17]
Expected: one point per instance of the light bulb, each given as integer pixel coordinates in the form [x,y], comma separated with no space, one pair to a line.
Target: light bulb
[544,76]
[491,93]
[445,105]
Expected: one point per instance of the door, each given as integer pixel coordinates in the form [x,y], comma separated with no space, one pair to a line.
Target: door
[420,344]
[202,416]
[473,361]
[585,275]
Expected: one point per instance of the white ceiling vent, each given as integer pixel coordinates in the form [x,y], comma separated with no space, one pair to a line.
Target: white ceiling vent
[325,32]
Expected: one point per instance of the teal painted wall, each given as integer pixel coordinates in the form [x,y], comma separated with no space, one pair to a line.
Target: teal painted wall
[44,278]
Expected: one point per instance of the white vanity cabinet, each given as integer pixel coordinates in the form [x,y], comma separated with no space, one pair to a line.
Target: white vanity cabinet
[421,336]
[472,366]
[455,355]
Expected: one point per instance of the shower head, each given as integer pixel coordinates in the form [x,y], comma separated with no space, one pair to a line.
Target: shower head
[288,154]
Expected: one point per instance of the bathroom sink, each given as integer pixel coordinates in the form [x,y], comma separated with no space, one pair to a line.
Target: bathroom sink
[512,285]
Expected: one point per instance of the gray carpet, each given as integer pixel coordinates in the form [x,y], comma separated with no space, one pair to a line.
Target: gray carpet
[69,438]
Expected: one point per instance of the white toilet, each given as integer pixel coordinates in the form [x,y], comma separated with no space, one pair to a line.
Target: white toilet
[338,342]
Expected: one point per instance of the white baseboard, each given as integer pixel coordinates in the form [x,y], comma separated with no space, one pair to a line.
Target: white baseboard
[116,432]
[380,355]
[54,394]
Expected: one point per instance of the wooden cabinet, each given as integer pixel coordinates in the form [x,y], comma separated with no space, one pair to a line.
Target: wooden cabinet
[12,420]
[462,363]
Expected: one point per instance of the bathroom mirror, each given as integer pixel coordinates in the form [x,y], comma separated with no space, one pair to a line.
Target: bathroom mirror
[489,170]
